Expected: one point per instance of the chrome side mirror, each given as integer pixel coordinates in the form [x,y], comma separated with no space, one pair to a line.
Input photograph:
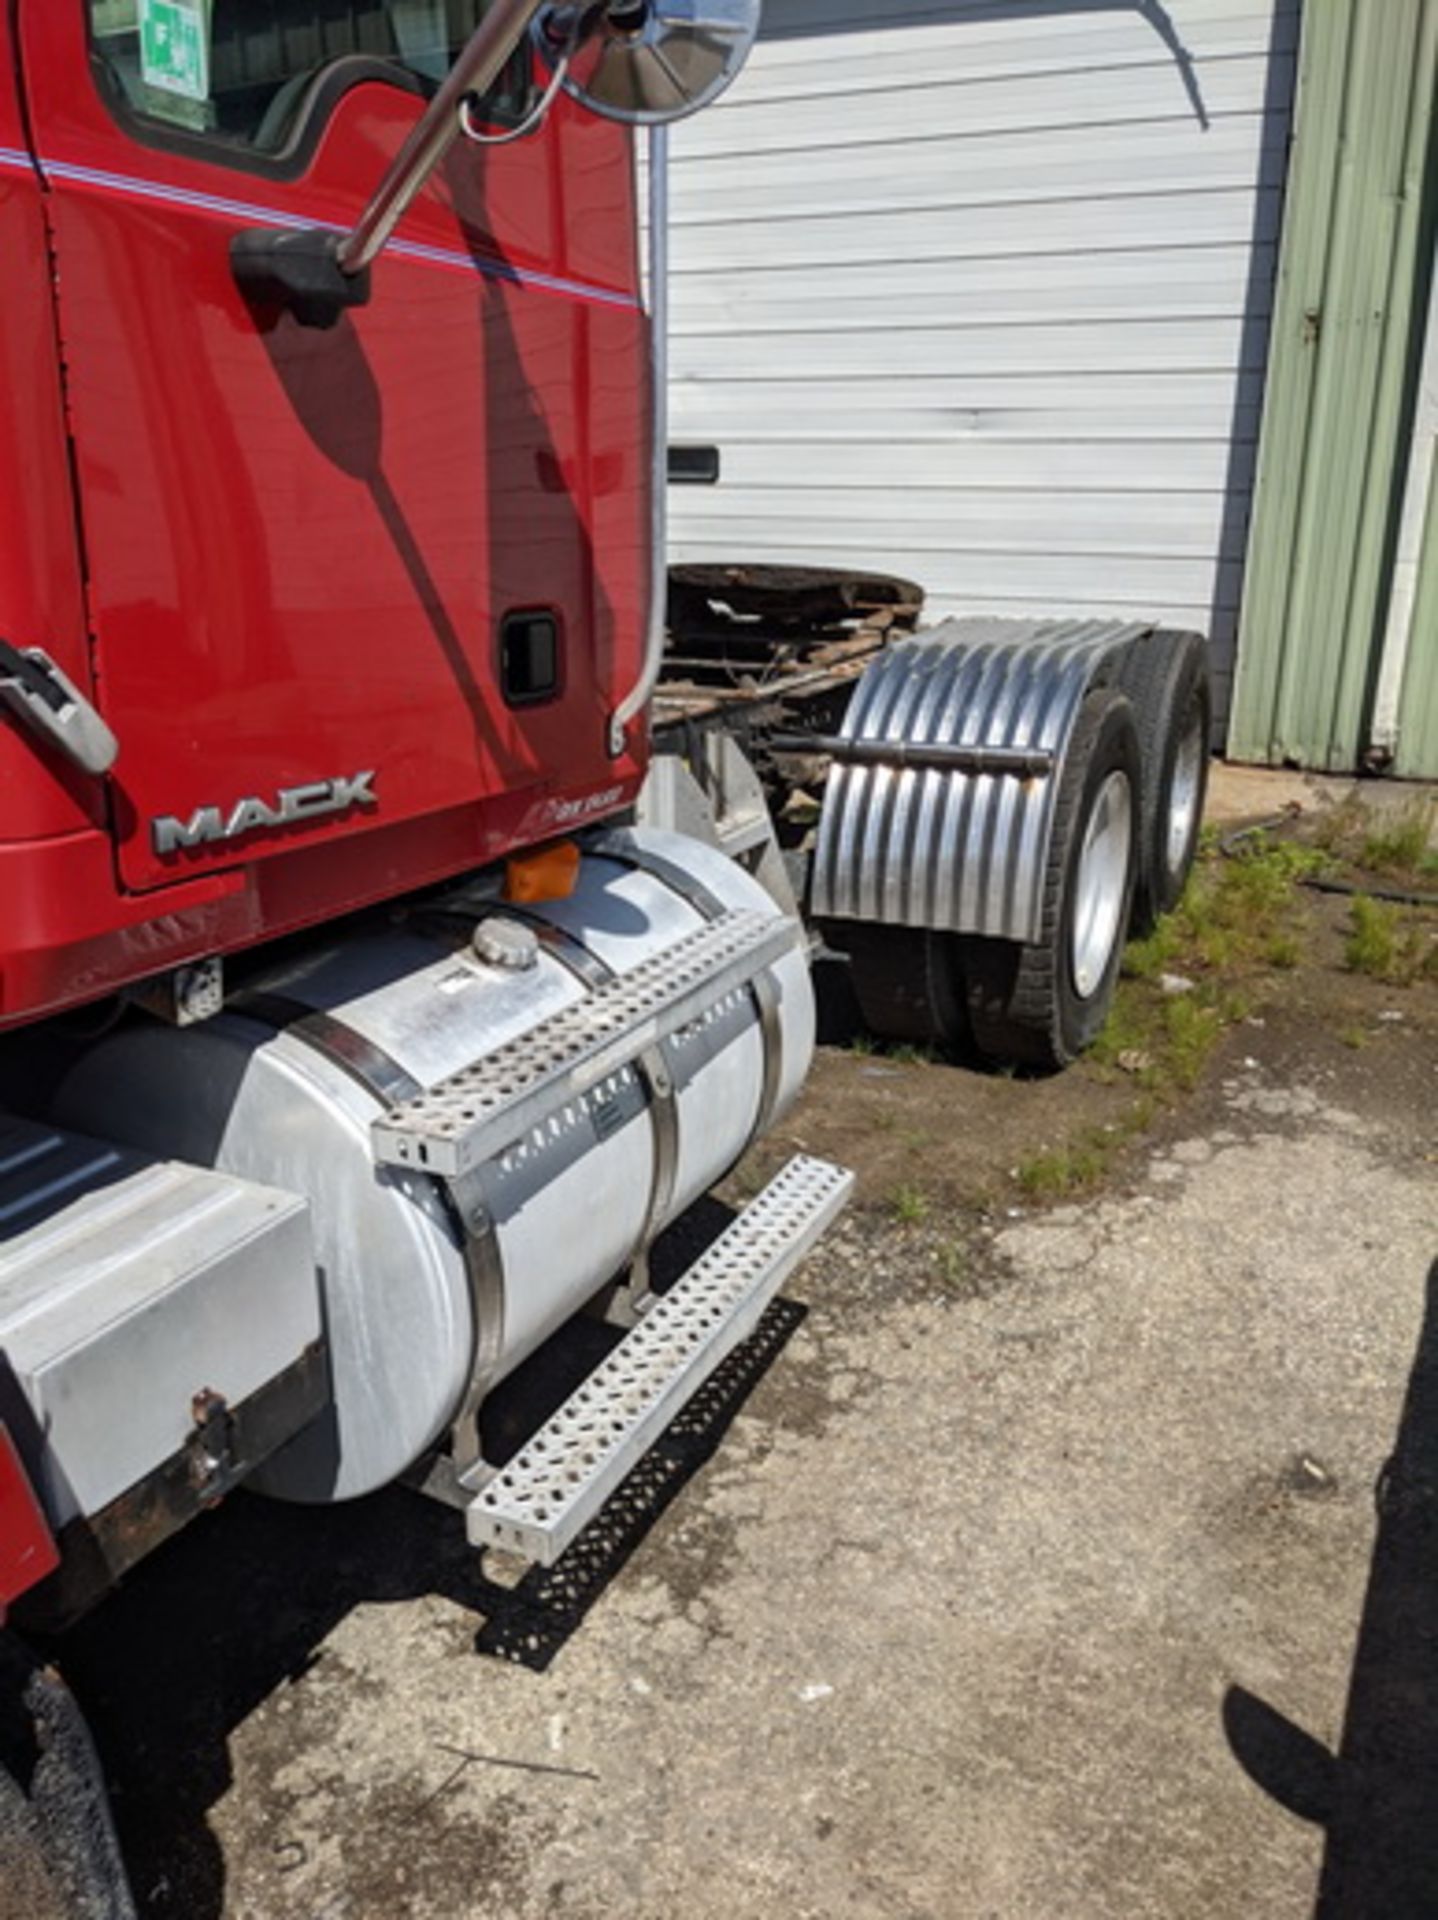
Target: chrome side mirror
[647,62]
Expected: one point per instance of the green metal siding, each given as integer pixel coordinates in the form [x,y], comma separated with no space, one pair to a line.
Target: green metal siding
[1418,729]
[1332,454]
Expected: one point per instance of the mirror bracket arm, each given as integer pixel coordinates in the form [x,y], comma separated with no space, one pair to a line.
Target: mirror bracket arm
[298,271]
[317,275]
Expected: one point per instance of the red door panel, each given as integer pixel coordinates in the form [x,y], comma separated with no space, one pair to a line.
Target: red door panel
[301,543]
[40,598]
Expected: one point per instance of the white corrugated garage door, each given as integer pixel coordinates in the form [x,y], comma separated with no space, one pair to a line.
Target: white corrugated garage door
[978,292]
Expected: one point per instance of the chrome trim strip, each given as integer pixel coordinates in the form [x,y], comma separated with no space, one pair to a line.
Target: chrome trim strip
[527,278]
[656,626]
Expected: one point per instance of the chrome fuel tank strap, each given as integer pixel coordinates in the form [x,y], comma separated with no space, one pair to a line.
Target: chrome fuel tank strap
[375,1070]
[621,847]
[382,1076]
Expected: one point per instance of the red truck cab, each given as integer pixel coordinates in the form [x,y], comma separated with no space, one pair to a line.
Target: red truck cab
[332,582]
[358,601]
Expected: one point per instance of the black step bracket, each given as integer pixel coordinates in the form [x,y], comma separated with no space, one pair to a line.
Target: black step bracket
[297,271]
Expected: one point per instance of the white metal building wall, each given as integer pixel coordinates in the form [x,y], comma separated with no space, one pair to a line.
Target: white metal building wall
[977,291]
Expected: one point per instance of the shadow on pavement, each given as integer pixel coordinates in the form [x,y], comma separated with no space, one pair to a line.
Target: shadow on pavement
[1378,1796]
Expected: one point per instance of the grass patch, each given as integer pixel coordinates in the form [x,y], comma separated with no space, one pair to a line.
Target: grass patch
[1238,912]
[1126,1042]
[1395,842]
[1061,1171]
[1399,842]
[903,1053]
[1192,1026]
[1385,944]
[1242,919]
[1080,1164]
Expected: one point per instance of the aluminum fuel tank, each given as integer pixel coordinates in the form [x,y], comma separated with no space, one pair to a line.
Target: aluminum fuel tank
[285,1087]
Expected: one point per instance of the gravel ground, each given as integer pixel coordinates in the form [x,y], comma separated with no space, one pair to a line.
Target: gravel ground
[1029,1576]
[1078,1561]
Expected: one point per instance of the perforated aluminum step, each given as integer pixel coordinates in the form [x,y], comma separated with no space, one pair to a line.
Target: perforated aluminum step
[479,1111]
[555,1485]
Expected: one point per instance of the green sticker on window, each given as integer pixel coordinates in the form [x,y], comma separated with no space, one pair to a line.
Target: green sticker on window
[174,47]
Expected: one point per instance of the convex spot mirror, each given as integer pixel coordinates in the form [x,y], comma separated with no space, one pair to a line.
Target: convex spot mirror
[651,61]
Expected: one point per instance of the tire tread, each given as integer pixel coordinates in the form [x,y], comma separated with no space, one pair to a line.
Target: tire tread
[1153,675]
[1015,995]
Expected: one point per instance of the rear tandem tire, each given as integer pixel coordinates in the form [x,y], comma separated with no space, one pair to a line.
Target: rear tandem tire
[1165,675]
[1041,1005]
[908,982]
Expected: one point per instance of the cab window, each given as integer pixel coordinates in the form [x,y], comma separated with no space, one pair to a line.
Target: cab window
[250,75]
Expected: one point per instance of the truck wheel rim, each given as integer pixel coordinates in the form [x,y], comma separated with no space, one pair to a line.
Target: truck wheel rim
[1183,794]
[1101,883]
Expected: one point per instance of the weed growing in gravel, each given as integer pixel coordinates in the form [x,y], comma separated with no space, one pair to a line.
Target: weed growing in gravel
[1060,1171]
[906,1054]
[952,1260]
[909,1204]
[1373,941]
[1387,946]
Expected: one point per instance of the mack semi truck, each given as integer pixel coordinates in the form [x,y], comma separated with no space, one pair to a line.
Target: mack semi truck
[381,968]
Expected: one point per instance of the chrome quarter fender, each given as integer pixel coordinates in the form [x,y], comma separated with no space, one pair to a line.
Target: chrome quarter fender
[938,810]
